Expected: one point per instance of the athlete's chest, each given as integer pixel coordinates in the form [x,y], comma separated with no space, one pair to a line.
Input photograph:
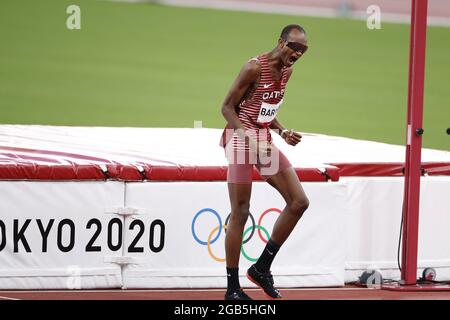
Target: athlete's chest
[271,97]
[270,89]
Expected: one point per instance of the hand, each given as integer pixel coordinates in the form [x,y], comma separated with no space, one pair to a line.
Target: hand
[291,137]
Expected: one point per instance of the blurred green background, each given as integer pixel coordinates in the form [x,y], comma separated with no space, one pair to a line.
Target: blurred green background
[149,65]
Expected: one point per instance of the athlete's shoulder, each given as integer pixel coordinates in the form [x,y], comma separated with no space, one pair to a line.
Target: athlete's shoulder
[254,63]
[252,68]
[289,71]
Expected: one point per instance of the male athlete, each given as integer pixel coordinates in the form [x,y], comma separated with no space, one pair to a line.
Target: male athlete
[250,109]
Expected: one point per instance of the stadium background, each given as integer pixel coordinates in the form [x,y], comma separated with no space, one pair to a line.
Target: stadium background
[150,65]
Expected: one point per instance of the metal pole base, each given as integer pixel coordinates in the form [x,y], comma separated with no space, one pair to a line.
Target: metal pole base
[416,287]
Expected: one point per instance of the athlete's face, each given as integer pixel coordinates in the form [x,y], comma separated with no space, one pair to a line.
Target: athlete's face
[293,48]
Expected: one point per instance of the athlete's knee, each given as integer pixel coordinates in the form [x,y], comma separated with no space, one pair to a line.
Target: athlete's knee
[298,206]
[240,213]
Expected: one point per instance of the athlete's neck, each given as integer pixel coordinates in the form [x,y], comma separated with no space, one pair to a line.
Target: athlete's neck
[274,60]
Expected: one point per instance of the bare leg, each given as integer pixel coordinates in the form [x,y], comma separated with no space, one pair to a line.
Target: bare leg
[289,186]
[240,210]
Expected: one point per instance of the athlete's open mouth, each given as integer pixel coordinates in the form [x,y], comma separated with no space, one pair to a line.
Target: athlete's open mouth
[292,60]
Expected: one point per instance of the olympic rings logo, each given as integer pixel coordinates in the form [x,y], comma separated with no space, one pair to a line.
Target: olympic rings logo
[221,227]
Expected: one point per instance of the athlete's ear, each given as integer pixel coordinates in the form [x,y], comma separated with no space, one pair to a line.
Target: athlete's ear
[281,43]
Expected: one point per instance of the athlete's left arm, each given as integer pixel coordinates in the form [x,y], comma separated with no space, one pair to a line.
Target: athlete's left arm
[290,136]
[277,126]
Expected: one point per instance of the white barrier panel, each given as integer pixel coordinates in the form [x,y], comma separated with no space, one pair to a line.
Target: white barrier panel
[57,235]
[69,235]
[373,225]
[183,215]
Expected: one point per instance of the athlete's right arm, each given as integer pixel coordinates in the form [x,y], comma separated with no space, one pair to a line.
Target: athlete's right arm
[247,77]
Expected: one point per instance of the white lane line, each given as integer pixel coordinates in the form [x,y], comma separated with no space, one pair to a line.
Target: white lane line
[175,290]
[293,9]
[8,298]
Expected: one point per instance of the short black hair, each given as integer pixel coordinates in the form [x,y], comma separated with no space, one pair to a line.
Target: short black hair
[287,30]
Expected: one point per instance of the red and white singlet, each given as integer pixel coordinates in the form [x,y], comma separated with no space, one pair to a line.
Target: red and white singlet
[257,112]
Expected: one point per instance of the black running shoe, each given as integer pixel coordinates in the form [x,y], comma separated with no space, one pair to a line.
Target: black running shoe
[237,295]
[264,280]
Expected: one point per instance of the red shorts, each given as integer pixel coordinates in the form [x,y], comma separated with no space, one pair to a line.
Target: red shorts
[241,162]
